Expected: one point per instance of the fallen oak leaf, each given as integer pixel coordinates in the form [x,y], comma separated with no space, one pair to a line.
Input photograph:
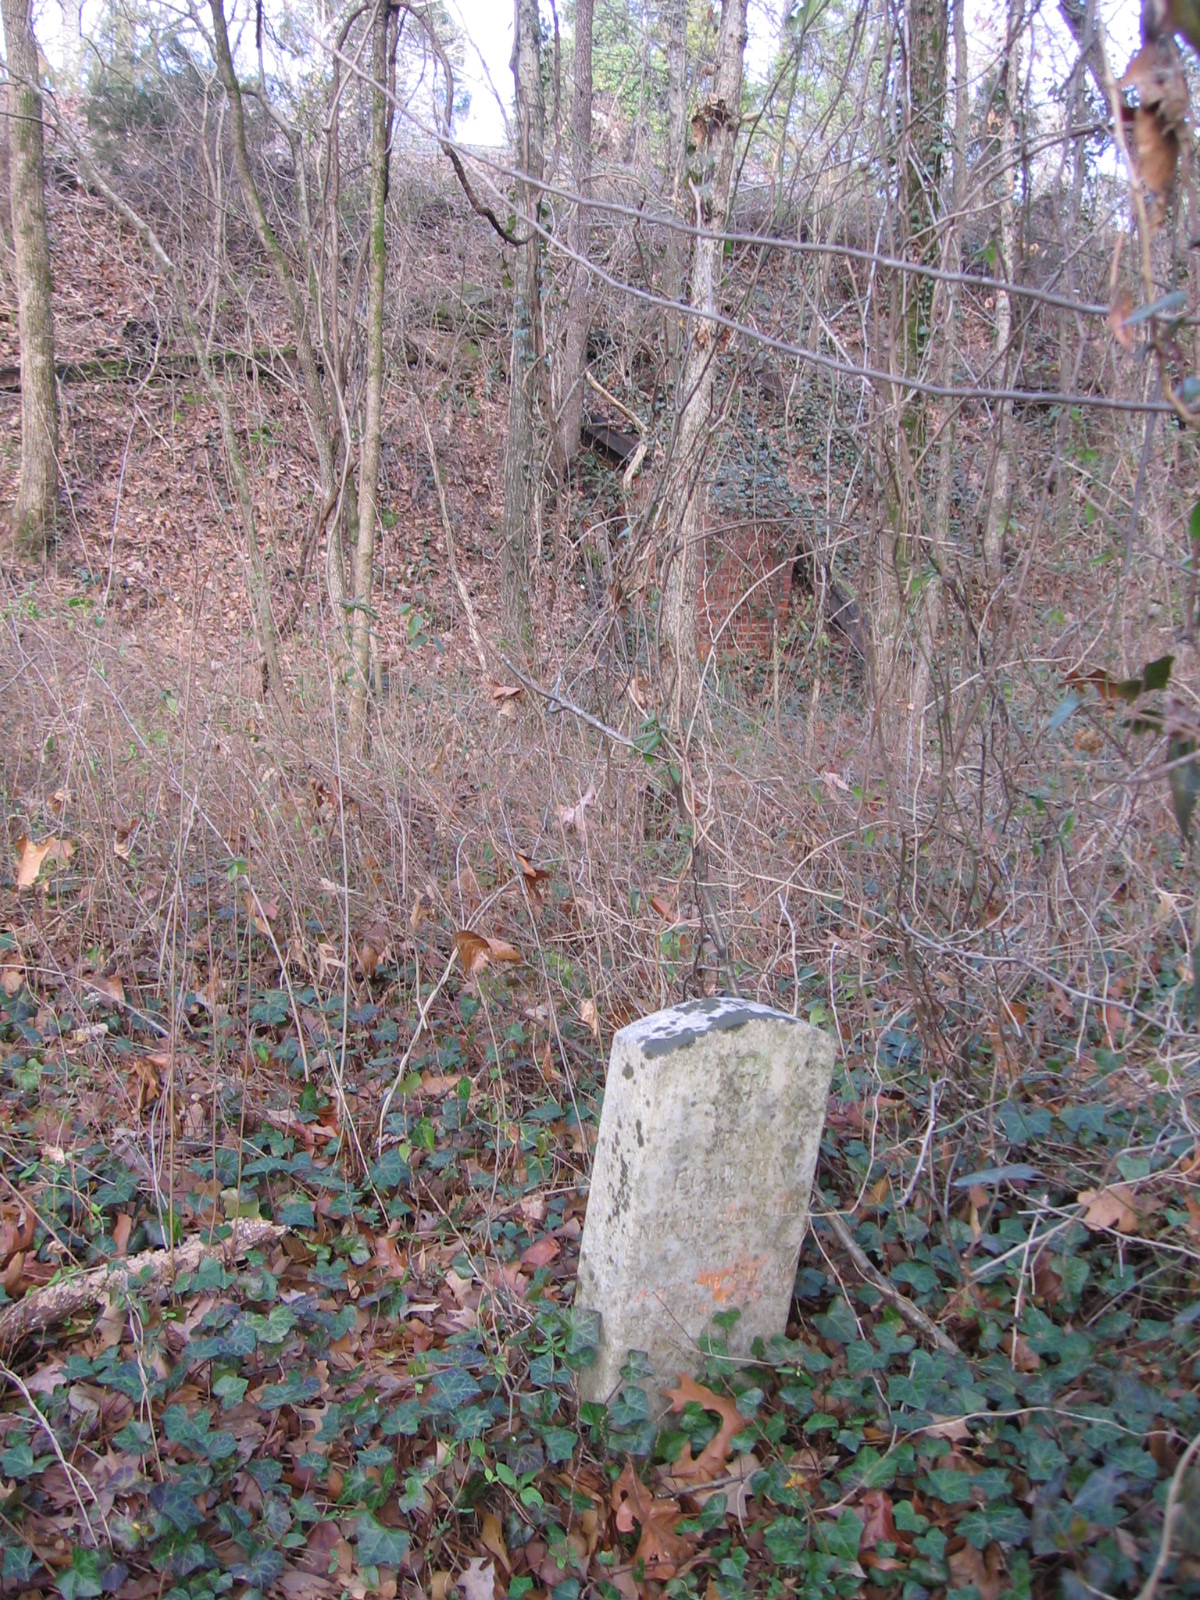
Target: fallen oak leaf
[535,878]
[475,950]
[711,1462]
[661,1548]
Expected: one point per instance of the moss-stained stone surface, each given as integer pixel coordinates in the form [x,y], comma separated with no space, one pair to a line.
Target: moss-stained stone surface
[708,1141]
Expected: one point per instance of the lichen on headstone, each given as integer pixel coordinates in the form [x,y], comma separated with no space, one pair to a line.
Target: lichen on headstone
[708,1142]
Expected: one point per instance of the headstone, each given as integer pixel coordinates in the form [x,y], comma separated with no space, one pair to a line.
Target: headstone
[699,1201]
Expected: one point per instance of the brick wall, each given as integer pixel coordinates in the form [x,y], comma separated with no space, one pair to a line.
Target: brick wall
[745,586]
[751,517]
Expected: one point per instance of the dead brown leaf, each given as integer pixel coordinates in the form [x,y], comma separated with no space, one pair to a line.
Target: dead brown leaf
[879,1525]
[35,856]
[1156,75]
[984,1569]
[541,1254]
[505,697]
[1119,311]
[372,948]
[590,1017]
[261,912]
[1158,82]
[148,1085]
[1155,155]
[123,837]
[492,1538]
[952,1428]
[1022,1354]
[710,1463]
[660,1547]
[111,988]
[12,974]
[536,879]
[1113,1207]
[476,950]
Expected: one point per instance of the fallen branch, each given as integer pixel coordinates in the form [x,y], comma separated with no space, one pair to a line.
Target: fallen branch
[911,1313]
[1174,1493]
[152,1272]
[557,703]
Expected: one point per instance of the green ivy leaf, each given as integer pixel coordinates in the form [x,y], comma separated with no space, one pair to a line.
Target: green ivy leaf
[82,1578]
[379,1546]
[294,1391]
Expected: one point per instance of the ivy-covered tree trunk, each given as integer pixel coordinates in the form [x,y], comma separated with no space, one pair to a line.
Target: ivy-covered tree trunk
[920,159]
[1009,90]
[521,466]
[383,46]
[579,297]
[675,16]
[716,126]
[37,491]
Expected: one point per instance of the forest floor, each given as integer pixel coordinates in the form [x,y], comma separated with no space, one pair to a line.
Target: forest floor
[331,1158]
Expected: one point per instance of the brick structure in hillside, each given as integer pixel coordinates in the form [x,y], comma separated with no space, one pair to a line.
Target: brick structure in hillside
[753,528]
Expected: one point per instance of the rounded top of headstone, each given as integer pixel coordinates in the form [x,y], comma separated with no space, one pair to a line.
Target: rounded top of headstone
[678,1026]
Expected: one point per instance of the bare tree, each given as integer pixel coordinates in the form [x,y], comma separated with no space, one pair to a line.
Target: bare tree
[1008,93]
[37,492]
[675,13]
[300,296]
[521,466]
[716,126]
[578,292]
[383,56]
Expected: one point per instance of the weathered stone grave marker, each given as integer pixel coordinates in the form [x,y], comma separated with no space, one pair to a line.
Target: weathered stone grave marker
[699,1201]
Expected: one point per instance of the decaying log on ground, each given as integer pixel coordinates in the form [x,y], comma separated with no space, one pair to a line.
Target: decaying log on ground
[150,1272]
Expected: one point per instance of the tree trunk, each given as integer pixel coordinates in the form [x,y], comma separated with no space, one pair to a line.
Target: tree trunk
[521,470]
[382,49]
[925,29]
[315,403]
[948,319]
[716,126]
[37,491]
[997,508]
[676,20]
[579,294]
